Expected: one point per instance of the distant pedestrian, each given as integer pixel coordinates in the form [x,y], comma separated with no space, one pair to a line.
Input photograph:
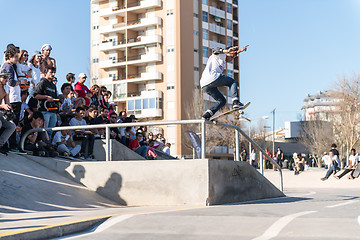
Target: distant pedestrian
[335,165]
[353,163]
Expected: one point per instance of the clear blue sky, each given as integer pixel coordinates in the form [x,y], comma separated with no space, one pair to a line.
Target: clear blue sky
[296,46]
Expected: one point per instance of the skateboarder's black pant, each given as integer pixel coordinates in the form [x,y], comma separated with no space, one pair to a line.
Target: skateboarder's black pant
[346,171]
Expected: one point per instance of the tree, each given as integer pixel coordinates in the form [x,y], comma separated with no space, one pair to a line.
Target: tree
[317,136]
[346,117]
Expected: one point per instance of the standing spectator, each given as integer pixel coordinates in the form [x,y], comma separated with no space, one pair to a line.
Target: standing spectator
[280,156]
[22,69]
[36,141]
[65,143]
[34,66]
[136,147]
[46,93]
[166,149]
[95,97]
[70,78]
[353,163]
[48,62]
[268,164]
[243,155]
[87,136]
[9,126]
[335,165]
[82,90]
[104,100]
[11,59]
[253,158]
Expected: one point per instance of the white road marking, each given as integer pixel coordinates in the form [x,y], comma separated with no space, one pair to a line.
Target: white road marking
[277,226]
[342,204]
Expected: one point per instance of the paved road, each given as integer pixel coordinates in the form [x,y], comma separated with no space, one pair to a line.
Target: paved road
[304,214]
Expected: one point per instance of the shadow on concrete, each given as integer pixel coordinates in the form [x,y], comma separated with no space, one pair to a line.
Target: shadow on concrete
[27,185]
[79,173]
[273,200]
[112,188]
[32,218]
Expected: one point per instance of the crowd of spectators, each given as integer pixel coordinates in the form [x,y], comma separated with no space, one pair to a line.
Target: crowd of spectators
[29,97]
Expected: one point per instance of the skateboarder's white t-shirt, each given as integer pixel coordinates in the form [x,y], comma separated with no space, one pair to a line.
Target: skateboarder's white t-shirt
[354,159]
[214,67]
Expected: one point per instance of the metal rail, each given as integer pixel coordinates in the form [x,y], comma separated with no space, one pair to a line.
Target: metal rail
[156,123]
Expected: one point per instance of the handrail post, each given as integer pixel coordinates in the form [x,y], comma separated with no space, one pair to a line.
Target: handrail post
[107,140]
[261,163]
[237,145]
[203,137]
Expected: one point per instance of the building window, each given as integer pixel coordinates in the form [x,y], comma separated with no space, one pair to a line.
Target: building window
[196,69]
[205,52]
[170,49]
[206,2]
[228,7]
[229,24]
[170,87]
[205,16]
[196,50]
[196,15]
[230,73]
[205,34]
[196,33]
[229,41]
[170,12]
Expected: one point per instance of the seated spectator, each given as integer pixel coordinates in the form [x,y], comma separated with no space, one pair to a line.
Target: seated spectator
[86,136]
[353,163]
[136,147]
[114,132]
[25,113]
[166,149]
[151,151]
[65,90]
[36,141]
[93,113]
[299,164]
[65,143]
[95,97]
[335,165]
[102,119]
[104,100]
[8,126]
[82,90]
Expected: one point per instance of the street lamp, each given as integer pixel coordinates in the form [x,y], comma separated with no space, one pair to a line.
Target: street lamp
[249,120]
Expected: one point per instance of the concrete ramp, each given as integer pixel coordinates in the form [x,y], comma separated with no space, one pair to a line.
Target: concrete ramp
[119,151]
[27,186]
[170,182]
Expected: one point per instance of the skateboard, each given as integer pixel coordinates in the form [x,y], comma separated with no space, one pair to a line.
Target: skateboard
[357,171]
[240,110]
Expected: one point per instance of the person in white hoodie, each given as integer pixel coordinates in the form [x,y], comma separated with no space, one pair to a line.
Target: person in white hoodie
[212,78]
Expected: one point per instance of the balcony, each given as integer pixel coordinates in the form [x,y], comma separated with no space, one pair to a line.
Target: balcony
[216,28]
[214,44]
[131,42]
[137,7]
[217,12]
[131,60]
[235,35]
[139,24]
[145,104]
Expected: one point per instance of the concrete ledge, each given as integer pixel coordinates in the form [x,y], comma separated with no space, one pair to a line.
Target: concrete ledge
[53,231]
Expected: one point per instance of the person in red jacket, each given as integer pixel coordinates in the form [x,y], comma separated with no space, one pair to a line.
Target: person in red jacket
[82,90]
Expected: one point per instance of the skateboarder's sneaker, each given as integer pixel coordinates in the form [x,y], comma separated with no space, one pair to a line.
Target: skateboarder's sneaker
[237,104]
[207,115]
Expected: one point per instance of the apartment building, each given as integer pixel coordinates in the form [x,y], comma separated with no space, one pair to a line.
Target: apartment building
[320,106]
[151,53]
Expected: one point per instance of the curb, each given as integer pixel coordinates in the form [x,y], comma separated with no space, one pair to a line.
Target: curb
[53,231]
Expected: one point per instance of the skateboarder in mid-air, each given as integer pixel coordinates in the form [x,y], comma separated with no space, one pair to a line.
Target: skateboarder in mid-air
[212,78]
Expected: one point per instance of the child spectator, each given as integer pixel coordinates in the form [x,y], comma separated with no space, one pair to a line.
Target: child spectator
[136,147]
[151,151]
[36,141]
[166,149]
[65,143]
[86,136]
